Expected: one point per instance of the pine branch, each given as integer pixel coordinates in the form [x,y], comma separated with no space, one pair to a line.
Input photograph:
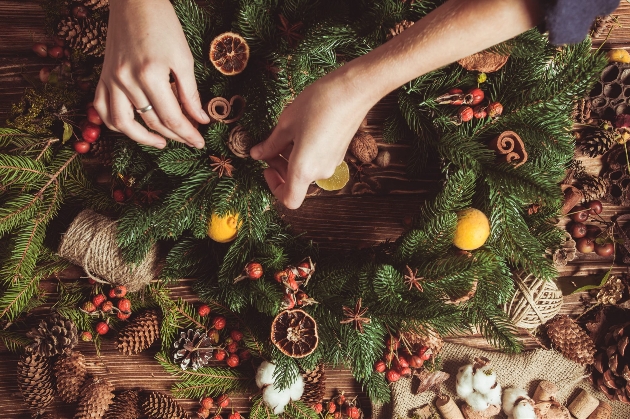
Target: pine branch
[14,342]
[299,410]
[260,410]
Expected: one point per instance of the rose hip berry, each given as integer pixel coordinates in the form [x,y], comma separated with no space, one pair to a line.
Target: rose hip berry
[392,376]
[82,147]
[203,310]
[102,328]
[236,335]
[219,322]
[124,305]
[223,401]
[99,299]
[220,355]
[380,366]
[207,402]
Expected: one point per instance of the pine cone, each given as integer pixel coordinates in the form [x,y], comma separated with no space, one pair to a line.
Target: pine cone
[53,336]
[430,339]
[95,399]
[314,385]
[97,4]
[103,150]
[581,112]
[612,373]
[399,28]
[160,406]
[139,334]
[126,406]
[597,142]
[193,349]
[594,187]
[571,340]
[70,373]
[85,35]
[34,378]
[602,25]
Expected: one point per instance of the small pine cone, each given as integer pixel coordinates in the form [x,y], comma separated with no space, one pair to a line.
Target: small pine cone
[430,339]
[399,28]
[85,35]
[96,4]
[571,340]
[597,142]
[139,334]
[70,373]
[160,406]
[126,406]
[53,336]
[594,188]
[314,385]
[95,399]
[35,381]
[602,25]
[581,112]
[103,150]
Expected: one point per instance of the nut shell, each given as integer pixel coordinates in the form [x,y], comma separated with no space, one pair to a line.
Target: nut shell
[363,147]
[294,332]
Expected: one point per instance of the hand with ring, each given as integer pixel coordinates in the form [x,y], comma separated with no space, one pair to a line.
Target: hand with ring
[145,45]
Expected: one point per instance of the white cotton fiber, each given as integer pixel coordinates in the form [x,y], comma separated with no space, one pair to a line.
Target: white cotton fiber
[494,395]
[524,410]
[264,375]
[483,379]
[464,382]
[297,388]
[510,395]
[276,399]
[477,401]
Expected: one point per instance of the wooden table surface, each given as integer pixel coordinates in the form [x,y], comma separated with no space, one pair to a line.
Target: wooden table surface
[344,220]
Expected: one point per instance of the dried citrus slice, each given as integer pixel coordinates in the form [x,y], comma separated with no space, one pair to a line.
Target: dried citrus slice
[294,332]
[338,180]
[229,53]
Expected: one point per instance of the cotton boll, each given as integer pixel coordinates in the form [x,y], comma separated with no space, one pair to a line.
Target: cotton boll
[524,410]
[477,401]
[297,388]
[510,395]
[493,396]
[464,382]
[276,399]
[264,375]
[483,379]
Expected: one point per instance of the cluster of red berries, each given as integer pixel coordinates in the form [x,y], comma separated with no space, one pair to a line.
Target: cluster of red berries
[101,306]
[222,402]
[473,107]
[399,361]
[229,348]
[586,236]
[292,278]
[339,407]
[90,130]
[63,66]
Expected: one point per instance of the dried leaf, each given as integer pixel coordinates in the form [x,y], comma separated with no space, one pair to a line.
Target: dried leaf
[424,381]
[67,132]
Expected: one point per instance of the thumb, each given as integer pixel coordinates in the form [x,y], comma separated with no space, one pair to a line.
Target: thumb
[189,96]
[272,146]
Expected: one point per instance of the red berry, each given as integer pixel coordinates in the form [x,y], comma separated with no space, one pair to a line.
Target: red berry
[353,412]
[59,41]
[416,362]
[304,270]
[578,230]
[111,293]
[400,362]
[233,361]
[235,415]
[236,335]
[107,306]
[203,412]
[341,399]
[593,231]
[605,249]
[285,276]
[456,91]
[40,49]
[292,283]
[207,402]
[118,195]
[380,366]
[494,109]
[388,357]
[203,310]
[474,96]
[465,114]
[220,354]
[80,12]
[332,407]
[585,245]
[86,336]
[124,305]
[579,214]
[392,343]
[55,52]
[120,291]
[122,315]
[288,300]
[219,322]
[82,147]
[232,347]
[244,354]
[91,132]
[337,415]
[94,117]
[479,112]
[405,371]
[595,207]
[254,270]
[223,401]
[44,74]
[89,307]
[392,376]
[102,328]
[99,299]
[317,407]
[425,353]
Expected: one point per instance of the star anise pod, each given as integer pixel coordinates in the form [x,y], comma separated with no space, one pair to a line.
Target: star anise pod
[221,165]
[412,280]
[356,316]
[150,195]
[290,31]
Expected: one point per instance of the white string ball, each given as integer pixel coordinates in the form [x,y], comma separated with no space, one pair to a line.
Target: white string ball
[534,302]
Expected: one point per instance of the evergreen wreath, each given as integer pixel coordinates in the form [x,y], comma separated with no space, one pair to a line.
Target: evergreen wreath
[42,182]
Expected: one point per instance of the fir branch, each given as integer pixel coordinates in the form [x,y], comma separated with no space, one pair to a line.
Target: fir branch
[299,410]
[14,342]
[260,410]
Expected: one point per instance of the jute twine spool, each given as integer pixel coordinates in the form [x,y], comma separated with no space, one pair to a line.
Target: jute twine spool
[534,302]
[447,408]
[90,242]
[583,405]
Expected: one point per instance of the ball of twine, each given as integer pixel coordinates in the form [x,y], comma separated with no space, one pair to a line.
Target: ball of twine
[534,302]
[90,242]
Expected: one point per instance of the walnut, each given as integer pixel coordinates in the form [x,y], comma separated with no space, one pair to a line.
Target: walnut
[363,147]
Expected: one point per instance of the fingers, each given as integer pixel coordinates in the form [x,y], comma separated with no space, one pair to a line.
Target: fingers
[189,96]
[121,118]
[291,193]
[272,146]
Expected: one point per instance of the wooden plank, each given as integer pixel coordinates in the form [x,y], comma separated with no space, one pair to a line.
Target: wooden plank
[21,25]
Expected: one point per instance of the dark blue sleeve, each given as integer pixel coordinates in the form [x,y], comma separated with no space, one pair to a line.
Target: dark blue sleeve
[568,21]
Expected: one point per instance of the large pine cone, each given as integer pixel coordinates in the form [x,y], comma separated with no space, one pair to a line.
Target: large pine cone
[612,372]
[126,406]
[95,399]
[594,187]
[571,340]
[70,373]
[139,334]
[314,385]
[53,336]
[35,381]
[193,349]
[103,150]
[596,142]
[85,35]
[429,338]
[96,4]
[160,406]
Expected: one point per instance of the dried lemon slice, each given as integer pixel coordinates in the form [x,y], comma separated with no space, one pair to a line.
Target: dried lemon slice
[338,180]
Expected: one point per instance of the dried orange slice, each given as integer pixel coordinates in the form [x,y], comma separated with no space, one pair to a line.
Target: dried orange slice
[229,53]
[338,180]
[294,332]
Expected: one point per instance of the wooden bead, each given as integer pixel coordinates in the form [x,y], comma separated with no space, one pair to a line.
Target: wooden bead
[447,408]
[603,411]
[583,405]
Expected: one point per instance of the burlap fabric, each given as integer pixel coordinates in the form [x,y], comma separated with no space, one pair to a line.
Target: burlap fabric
[524,370]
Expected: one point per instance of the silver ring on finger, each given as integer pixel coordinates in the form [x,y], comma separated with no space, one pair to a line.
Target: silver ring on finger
[145,109]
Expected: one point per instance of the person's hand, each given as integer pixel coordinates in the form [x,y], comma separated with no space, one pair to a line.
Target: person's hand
[311,137]
[145,43]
